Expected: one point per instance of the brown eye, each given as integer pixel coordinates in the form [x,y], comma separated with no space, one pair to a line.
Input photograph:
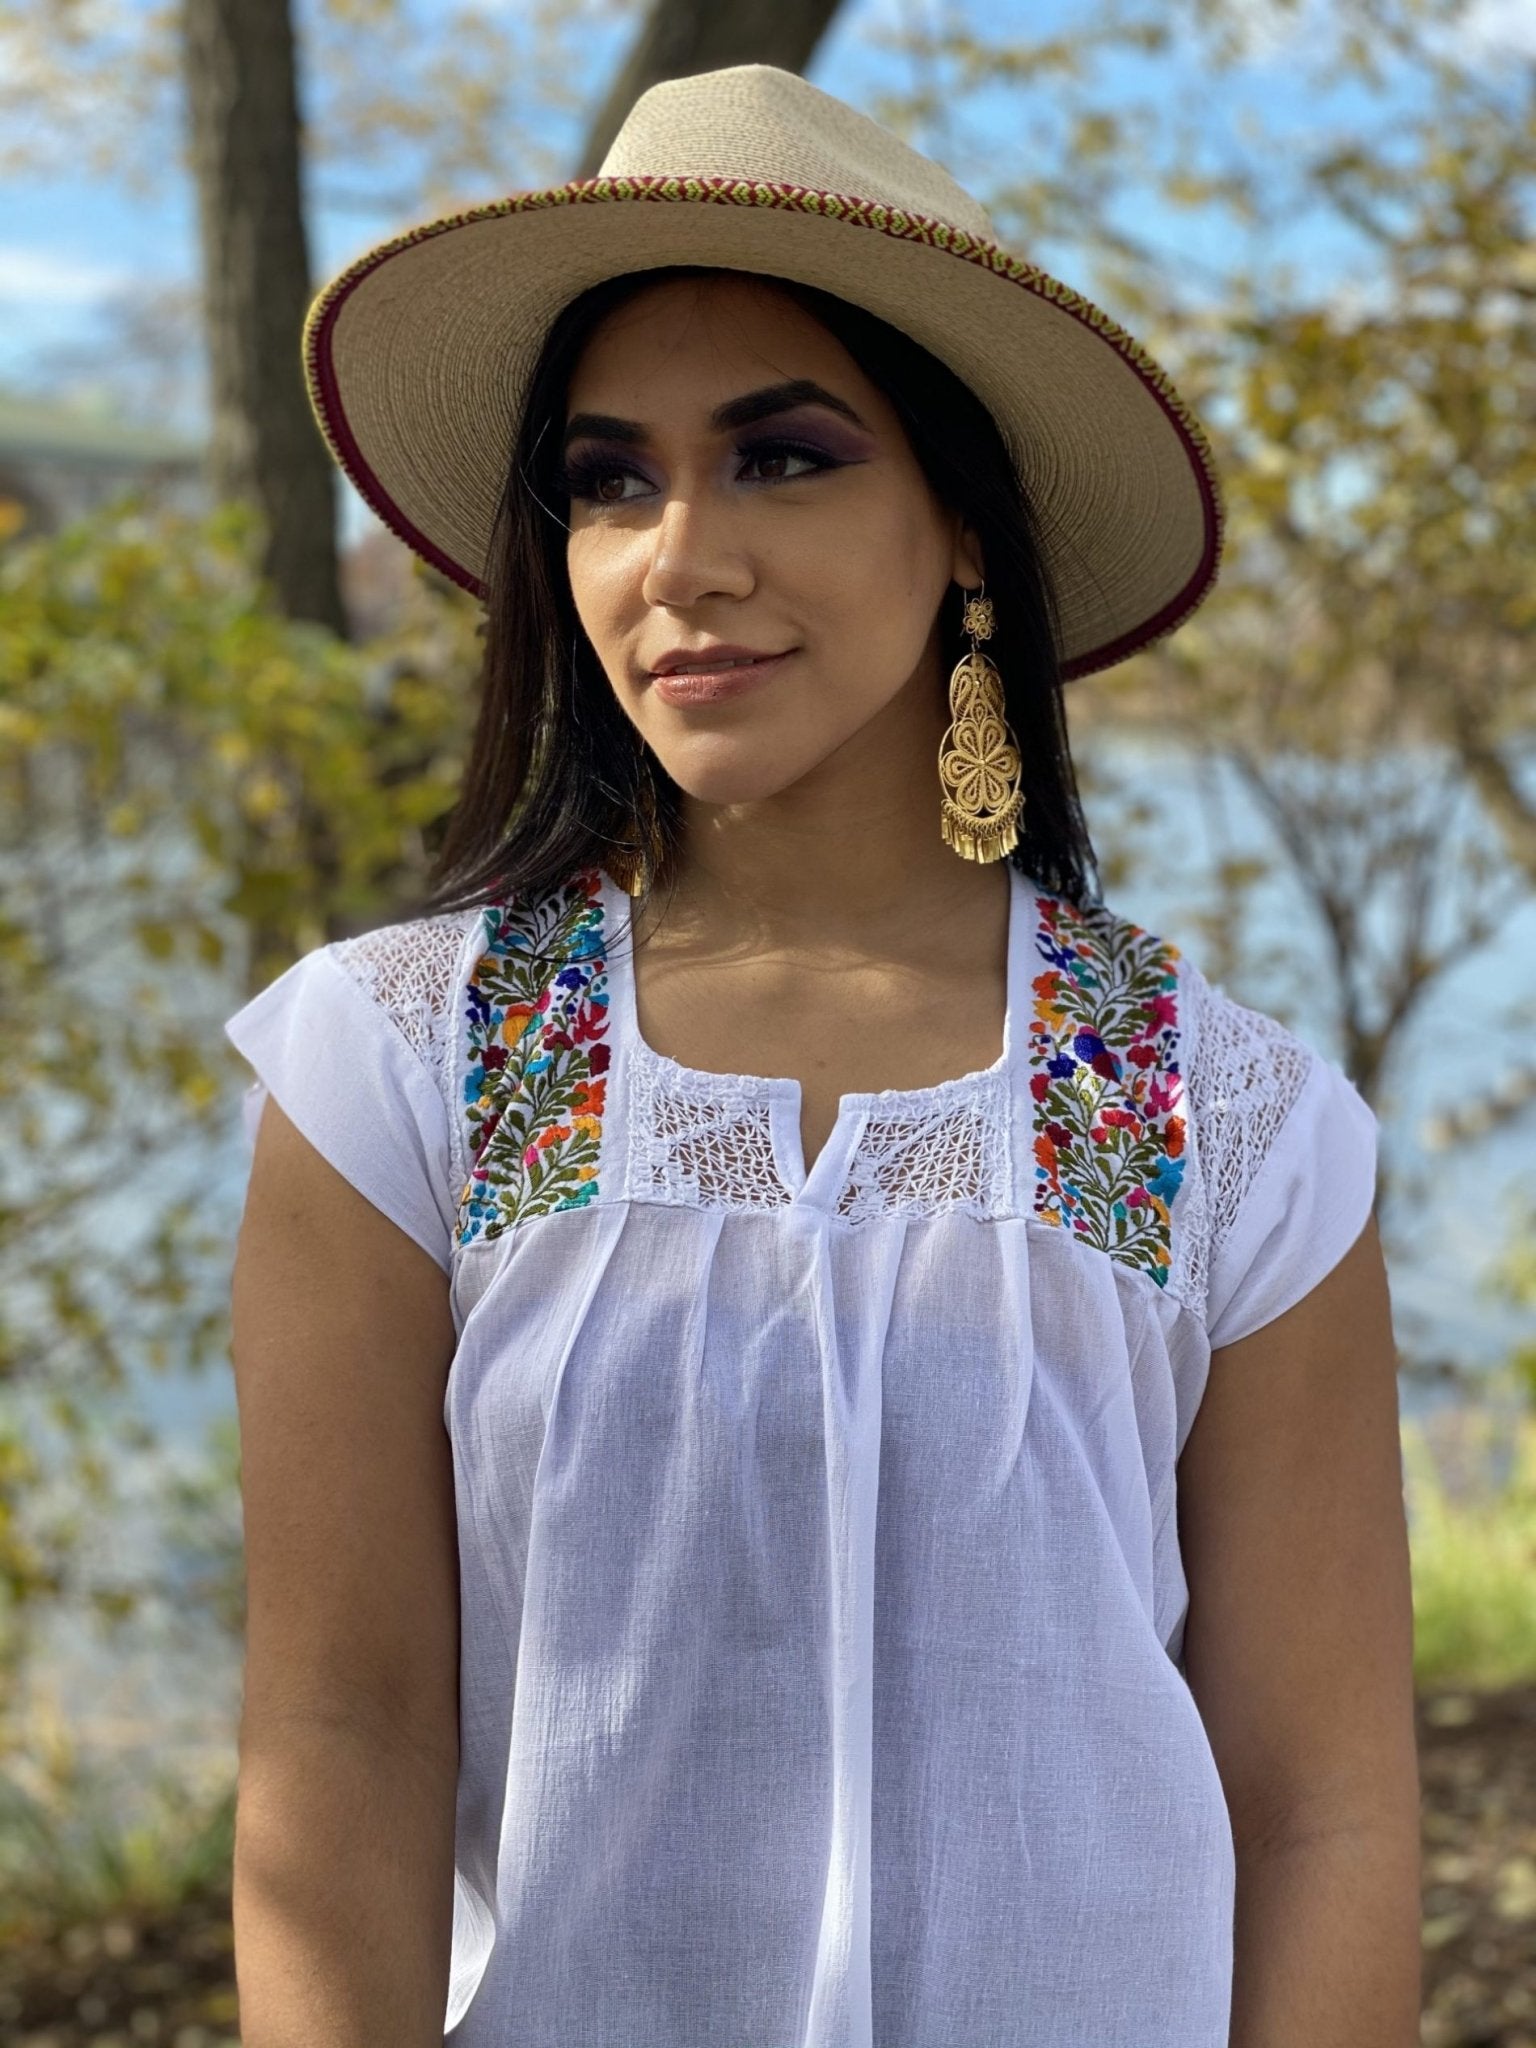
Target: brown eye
[777,462]
[600,479]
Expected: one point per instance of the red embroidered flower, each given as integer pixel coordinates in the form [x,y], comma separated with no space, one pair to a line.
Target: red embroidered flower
[589,1021]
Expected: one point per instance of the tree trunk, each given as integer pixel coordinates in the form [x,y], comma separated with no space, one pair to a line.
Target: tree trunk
[681,37]
[243,123]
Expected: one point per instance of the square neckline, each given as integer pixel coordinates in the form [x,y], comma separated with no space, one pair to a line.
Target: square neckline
[784,1093]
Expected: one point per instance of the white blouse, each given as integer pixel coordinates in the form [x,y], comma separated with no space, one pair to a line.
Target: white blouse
[821,1612]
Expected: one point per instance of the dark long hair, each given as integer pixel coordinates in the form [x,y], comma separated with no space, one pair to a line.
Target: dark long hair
[556,766]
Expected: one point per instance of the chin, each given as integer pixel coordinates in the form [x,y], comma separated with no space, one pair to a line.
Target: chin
[724,782]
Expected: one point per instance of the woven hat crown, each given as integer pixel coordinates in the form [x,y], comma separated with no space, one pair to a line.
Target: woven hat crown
[753,121]
[420,354]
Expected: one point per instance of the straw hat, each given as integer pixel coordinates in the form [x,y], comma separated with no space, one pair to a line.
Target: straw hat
[418,355]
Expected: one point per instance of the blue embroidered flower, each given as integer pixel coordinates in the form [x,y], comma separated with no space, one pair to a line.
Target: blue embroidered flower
[1106,1006]
[537,1008]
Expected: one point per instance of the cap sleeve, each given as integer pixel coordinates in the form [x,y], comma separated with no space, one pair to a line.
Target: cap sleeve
[352,1043]
[1288,1154]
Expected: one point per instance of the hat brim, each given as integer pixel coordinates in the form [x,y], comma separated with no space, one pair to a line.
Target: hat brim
[418,356]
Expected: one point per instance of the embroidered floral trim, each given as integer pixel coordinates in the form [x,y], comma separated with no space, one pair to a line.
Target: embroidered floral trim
[1105,1076]
[537,1006]
[1104,1049]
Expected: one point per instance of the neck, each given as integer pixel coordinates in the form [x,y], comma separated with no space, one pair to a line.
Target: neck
[847,855]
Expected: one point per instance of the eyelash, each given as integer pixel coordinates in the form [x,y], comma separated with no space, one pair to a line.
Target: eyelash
[578,479]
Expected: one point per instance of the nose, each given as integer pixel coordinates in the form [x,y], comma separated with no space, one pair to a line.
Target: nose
[694,556]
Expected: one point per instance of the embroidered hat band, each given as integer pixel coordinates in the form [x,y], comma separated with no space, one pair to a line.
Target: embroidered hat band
[419,353]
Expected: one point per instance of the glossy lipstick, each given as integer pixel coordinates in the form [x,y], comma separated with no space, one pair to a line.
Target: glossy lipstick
[704,685]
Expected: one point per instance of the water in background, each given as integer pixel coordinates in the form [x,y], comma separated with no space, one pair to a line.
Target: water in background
[167,1693]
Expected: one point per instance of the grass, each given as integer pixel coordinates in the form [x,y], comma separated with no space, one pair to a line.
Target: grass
[1474,1559]
[82,1839]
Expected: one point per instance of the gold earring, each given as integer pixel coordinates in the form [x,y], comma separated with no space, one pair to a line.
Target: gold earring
[635,867]
[979,761]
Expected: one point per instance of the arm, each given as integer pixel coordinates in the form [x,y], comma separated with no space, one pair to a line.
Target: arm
[1299,1651]
[343,1865]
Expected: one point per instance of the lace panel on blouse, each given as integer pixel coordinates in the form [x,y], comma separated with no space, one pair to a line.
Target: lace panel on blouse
[701,1140]
[1244,1072]
[706,1141]
[412,971]
[930,1150]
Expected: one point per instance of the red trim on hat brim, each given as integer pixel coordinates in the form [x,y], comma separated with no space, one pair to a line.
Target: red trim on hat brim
[343,445]
[331,414]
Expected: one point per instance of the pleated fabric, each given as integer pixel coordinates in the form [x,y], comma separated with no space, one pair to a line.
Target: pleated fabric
[821,1603]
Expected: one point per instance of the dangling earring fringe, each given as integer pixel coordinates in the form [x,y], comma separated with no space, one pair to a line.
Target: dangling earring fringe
[980,767]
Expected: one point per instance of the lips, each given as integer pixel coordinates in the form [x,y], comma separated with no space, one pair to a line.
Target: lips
[736,670]
[710,661]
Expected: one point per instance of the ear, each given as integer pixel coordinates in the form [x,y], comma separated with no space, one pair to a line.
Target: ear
[968,568]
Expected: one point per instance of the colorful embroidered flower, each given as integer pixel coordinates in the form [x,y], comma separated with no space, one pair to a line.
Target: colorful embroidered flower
[1104,1048]
[537,1010]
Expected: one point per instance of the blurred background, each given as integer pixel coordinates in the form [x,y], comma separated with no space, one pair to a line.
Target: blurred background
[232,711]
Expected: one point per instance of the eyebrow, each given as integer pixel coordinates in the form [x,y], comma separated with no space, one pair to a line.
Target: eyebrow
[745,411]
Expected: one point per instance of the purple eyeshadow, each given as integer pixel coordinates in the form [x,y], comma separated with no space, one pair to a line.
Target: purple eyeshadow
[812,429]
[808,431]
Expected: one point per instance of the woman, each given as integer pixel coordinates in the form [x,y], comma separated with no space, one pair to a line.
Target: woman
[819,1414]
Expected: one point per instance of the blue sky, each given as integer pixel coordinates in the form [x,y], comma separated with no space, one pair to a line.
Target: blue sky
[73,245]
[67,243]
